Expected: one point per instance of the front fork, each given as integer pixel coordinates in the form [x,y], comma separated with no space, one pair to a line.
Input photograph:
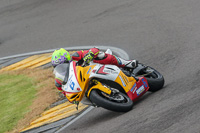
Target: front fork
[97,85]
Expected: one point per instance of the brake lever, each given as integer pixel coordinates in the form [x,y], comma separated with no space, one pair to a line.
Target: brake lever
[77,103]
[85,64]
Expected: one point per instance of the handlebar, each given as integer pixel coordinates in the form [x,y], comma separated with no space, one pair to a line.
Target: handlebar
[85,64]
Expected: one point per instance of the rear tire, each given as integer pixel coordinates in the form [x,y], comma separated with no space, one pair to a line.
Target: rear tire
[155,80]
[102,101]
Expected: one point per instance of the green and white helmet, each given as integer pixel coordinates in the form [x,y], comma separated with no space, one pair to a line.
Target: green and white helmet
[60,56]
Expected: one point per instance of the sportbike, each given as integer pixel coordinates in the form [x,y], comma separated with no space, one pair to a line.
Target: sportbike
[107,86]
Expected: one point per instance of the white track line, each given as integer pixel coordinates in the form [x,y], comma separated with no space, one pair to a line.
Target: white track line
[75,119]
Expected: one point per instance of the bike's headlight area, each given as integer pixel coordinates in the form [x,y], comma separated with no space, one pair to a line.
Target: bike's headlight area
[72,91]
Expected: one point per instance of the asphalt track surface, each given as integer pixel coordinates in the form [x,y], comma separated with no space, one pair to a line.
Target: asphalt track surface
[164,34]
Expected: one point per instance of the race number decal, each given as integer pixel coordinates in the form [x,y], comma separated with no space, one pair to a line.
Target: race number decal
[70,83]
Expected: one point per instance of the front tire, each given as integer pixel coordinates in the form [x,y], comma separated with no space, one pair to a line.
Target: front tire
[97,97]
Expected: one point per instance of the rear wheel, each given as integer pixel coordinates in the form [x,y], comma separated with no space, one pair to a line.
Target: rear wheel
[118,101]
[154,78]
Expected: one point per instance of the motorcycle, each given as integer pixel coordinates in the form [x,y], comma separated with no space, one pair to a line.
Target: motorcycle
[107,86]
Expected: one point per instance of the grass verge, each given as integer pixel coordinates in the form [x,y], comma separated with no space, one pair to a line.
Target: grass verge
[16,95]
[24,95]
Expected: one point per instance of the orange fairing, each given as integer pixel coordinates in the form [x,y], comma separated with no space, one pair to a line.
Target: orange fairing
[83,74]
[125,81]
[73,96]
[101,87]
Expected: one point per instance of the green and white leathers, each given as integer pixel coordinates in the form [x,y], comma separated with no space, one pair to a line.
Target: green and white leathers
[60,56]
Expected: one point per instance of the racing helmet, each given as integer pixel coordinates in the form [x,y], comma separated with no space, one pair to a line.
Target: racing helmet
[60,56]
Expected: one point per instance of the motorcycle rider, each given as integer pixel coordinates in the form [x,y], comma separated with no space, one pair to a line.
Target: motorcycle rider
[94,54]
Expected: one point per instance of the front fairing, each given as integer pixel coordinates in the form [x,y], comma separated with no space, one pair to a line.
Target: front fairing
[72,87]
[77,82]
[72,84]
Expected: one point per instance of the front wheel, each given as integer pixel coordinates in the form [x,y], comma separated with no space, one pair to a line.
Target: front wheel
[118,102]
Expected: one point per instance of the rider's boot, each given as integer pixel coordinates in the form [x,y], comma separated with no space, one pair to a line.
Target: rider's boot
[129,63]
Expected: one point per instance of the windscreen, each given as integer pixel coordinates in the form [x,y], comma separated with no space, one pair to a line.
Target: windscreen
[62,72]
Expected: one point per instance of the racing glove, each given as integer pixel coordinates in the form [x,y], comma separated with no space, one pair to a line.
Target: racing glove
[88,57]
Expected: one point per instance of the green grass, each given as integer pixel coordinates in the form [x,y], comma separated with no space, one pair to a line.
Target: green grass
[16,95]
